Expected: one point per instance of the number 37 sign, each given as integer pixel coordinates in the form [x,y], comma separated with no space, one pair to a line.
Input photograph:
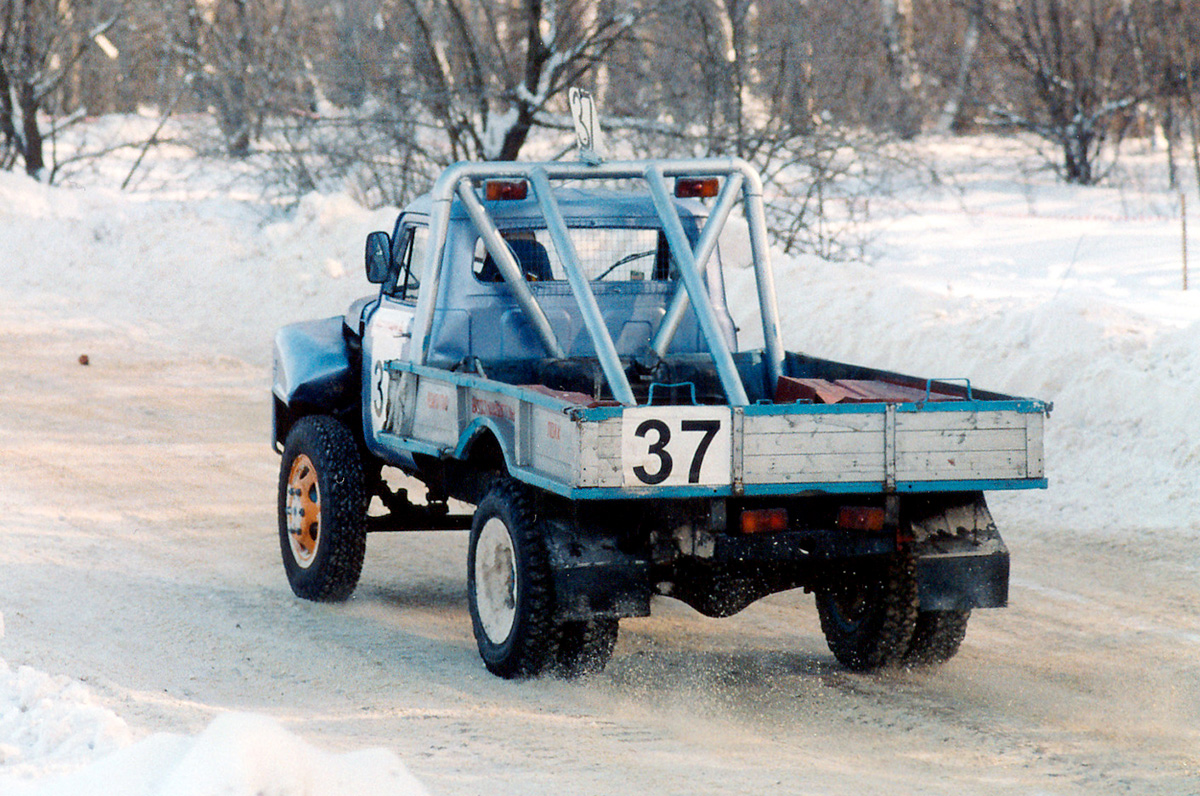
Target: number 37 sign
[676,445]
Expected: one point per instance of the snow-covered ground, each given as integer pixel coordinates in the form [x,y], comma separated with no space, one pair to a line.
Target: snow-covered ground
[998,274]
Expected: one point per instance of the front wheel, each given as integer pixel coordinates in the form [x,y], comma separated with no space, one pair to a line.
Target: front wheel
[870,615]
[509,584]
[322,510]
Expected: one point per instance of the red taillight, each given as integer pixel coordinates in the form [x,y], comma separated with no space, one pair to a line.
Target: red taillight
[505,190]
[764,520]
[859,518]
[696,187]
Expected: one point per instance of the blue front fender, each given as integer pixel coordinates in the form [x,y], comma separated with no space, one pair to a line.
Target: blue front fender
[313,373]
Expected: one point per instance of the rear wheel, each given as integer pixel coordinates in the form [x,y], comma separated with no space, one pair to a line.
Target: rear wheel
[869,617]
[509,584]
[936,637]
[585,647]
[322,517]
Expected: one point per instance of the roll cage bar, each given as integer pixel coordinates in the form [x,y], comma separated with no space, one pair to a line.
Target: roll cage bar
[460,181]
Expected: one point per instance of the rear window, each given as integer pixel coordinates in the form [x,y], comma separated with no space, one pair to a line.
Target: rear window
[607,254]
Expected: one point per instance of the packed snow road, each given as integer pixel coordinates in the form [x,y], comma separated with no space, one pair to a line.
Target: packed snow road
[140,556]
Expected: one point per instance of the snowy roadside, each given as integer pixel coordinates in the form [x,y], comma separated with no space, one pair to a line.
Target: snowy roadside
[172,274]
[56,739]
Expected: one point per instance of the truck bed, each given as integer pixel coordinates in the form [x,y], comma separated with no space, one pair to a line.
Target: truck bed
[887,432]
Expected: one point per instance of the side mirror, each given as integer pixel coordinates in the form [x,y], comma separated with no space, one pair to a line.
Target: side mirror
[379,257]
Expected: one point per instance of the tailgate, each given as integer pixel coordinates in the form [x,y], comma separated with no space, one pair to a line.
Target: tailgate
[792,448]
[906,447]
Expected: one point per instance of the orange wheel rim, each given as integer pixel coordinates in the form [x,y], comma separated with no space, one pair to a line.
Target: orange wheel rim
[303,511]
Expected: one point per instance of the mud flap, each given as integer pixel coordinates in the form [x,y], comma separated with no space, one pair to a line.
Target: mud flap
[962,582]
[962,563]
[592,578]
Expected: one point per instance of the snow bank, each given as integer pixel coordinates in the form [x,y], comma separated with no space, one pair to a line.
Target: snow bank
[50,724]
[208,274]
[56,739]
[1123,450]
[239,754]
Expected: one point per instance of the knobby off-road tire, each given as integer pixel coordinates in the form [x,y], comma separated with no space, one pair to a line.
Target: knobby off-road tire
[584,647]
[322,510]
[936,637]
[510,585]
[869,618]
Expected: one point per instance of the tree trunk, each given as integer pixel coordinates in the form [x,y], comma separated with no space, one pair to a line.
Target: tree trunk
[35,163]
[1077,155]
[902,62]
[1170,126]
[537,55]
[12,138]
[515,136]
[950,118]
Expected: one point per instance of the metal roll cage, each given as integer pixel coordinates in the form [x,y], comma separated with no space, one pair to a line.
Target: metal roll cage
[740,177]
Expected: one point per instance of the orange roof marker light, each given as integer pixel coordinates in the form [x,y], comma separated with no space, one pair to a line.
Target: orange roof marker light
[505,190]
[696,187]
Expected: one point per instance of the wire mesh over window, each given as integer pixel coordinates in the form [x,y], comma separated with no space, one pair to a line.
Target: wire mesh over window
[606,254]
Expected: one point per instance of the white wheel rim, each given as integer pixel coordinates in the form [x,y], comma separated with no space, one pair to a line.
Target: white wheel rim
[495,580]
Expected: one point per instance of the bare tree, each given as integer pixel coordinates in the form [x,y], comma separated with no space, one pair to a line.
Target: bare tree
[488,70]
[40,42]
[1081,83]
[749,83]
[244,59]
[1170,68]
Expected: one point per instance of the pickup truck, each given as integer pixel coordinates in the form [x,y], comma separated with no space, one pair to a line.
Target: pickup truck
[551,343]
